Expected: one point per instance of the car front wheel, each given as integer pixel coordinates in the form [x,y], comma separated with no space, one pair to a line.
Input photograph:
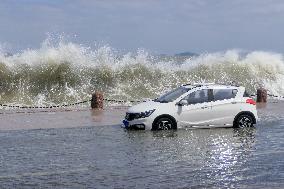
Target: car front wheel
[164,124]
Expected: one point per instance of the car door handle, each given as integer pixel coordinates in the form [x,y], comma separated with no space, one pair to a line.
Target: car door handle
[233,102]
[204,107]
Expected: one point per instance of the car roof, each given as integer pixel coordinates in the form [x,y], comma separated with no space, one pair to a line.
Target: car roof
[210,85]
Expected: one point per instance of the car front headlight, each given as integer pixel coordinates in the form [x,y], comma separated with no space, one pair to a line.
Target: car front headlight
[146,113]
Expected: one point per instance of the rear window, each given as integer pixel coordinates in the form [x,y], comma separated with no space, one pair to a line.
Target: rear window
[223,94]
[246,94]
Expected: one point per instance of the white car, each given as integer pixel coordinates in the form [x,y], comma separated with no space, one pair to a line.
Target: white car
[195,105]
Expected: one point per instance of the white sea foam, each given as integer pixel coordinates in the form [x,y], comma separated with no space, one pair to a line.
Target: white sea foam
[65,72]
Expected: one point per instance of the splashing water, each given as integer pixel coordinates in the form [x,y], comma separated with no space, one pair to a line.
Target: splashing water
[68,72]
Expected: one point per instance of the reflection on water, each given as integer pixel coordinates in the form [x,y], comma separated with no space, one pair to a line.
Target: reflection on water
[210,155]
[97,115]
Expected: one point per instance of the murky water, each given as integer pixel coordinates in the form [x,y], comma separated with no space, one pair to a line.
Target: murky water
[110,157]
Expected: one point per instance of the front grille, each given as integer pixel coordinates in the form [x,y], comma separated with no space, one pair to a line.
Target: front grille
[131,116]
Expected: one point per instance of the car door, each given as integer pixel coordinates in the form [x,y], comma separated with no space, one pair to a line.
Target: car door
[198,110]
[224,107]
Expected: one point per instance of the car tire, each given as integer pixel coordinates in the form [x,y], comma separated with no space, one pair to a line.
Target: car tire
[164,123]
[243,121]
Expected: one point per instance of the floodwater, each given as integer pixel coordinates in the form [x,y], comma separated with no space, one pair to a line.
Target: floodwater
[72,149]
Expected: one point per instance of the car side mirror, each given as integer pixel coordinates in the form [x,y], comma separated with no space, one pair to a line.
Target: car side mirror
[182,103]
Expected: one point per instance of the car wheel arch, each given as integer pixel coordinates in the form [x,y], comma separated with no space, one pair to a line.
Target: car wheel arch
[245,113]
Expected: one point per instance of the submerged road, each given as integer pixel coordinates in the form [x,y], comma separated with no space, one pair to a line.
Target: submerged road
[84,154]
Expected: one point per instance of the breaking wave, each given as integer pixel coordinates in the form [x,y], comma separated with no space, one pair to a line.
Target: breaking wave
[66,72]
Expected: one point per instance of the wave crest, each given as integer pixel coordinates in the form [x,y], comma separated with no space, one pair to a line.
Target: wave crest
[69,72]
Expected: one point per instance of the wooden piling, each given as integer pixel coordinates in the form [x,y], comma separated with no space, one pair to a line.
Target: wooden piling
[261,95]
[97,101]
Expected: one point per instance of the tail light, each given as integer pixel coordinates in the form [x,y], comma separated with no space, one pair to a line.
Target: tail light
[250,101]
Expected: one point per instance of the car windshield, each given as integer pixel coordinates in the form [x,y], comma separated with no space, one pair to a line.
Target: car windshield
[172,95]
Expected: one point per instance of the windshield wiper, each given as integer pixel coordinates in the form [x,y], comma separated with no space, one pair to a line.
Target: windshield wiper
[163,101]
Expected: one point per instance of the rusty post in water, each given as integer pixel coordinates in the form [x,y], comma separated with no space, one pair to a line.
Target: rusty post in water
[97,101]
[261,95]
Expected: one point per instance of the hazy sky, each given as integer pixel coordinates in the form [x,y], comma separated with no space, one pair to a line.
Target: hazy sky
[160,26]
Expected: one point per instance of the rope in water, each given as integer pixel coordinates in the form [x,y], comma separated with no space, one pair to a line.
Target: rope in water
[43,107]
[275,96]
[269,95]
[65,105]
[123,101]
[85,101]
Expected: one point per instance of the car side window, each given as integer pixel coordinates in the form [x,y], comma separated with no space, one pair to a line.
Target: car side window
[223,94]
[196,97]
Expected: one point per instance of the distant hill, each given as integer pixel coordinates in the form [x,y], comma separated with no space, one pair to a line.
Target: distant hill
[186,54]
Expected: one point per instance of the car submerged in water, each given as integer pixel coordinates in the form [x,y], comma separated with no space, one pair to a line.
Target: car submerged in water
[196,106]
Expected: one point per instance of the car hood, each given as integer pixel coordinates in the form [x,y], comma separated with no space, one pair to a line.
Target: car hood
[145,106]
